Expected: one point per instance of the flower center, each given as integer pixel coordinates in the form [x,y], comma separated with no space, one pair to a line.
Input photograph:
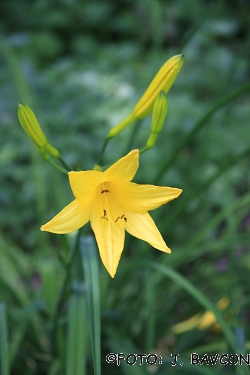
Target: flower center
[111,211]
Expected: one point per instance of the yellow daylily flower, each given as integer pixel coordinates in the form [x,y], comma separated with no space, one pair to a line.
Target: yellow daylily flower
[113,204]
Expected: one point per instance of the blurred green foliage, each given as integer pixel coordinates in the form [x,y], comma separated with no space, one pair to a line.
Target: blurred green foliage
[82,66]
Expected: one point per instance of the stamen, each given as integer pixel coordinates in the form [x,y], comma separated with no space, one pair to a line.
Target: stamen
[104,215]
[121,217]
[104,191]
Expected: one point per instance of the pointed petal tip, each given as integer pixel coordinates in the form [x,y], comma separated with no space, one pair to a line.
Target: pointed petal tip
[111,272]
[135,151]
[42,228]
[180,191]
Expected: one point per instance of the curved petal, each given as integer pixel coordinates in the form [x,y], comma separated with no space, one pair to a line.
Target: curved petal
[84,183]
[142,198]
[124,169]
[72,217]
[109,232]
[143,227]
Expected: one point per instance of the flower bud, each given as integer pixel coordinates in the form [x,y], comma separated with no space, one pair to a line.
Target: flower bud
[159,113]
[32,128]
[30,125]
[161,82]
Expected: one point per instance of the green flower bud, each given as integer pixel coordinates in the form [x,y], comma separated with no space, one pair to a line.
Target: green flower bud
[32,128]
[30,125]
[159,113]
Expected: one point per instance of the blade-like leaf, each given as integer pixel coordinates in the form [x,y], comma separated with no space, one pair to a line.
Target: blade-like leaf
[77,331]
[91,273]
[4,355]
[195,293]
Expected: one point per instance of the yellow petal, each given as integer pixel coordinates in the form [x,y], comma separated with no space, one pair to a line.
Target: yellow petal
[142,198]
[143,227]
[71,218]
[108,226]
[83,184]
[124,169]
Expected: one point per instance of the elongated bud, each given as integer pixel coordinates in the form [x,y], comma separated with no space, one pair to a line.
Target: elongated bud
[159,114]
[161,82]
[30,125]
[32,128]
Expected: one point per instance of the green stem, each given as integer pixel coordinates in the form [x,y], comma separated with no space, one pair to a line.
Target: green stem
[145,148]
[60,298]
[99,161]
[131,138]
[113,133]
[56,166]
[199,125]
[120,127]
[64,164]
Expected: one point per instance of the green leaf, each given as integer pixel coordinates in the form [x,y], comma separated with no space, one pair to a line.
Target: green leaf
[91,273]
[4,350]
[197,294]
[77,331]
